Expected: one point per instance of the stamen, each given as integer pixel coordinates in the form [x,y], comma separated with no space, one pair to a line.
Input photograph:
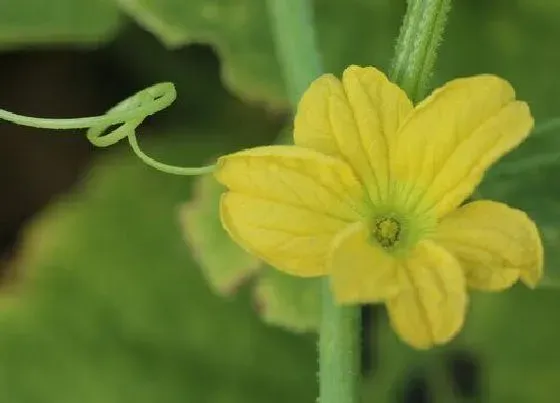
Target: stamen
[387,231]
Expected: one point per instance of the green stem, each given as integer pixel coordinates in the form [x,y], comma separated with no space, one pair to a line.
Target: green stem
[296,48]
[415,56]
[415,53]
[439,382]
[339,351]
[127,115]
[339,348]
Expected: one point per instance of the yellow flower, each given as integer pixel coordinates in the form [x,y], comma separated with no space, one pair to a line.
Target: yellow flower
[371,194]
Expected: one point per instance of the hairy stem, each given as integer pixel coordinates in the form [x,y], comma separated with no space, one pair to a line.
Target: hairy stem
[339,344]
[415,53]
[339,351]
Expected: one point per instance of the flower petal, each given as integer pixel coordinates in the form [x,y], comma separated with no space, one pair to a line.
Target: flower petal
[453,136]
[354,119]
[361,272]
[494,243]
[286,203]
[431,308]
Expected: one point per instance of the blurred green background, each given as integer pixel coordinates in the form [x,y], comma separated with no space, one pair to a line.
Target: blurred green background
[118,283]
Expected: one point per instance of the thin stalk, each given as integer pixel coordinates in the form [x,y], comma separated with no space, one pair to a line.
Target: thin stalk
[415,56]
[292,25]
[339,351]
[339,347]
[127,115]
[296,46]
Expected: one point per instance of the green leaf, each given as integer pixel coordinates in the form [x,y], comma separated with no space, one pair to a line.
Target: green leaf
[353,31]
[225,265]
[35,22]
[504,39]
[113,309]
[281,300]
[363,32]
[288,301]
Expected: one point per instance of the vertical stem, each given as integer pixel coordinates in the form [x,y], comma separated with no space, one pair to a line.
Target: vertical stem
[415,53]
[292,24]
[296,47]
[339,351]
[339,347]
[415,56]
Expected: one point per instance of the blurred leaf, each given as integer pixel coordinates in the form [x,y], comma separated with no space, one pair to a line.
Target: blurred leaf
[33,22]
[288,301]
[500,37]
[363,32]
[113,309]
[281,300]
[223,262]
[353,31]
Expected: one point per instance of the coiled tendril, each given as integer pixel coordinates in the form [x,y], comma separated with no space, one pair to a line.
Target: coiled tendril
[131,112]
[128,115]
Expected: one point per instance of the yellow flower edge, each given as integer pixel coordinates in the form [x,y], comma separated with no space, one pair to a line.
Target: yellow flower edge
[372,194]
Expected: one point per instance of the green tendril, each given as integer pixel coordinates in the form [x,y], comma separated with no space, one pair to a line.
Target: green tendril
[128,115]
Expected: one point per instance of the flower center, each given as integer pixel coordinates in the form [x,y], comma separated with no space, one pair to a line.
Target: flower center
[387,231]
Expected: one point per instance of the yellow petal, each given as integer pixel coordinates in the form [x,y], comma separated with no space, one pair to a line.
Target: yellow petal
[286,203]
[494,243]
[354,119]
[361,272]
[430,310]
[453,136]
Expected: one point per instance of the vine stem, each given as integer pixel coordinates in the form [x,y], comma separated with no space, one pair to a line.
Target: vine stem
[416,49]
[294,36]
[292,26]
[339,351]
[339,343]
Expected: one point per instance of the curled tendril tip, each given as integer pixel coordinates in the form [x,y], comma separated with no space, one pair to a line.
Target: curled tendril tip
[128,115]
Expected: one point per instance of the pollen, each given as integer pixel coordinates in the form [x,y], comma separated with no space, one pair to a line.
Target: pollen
[387,231]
